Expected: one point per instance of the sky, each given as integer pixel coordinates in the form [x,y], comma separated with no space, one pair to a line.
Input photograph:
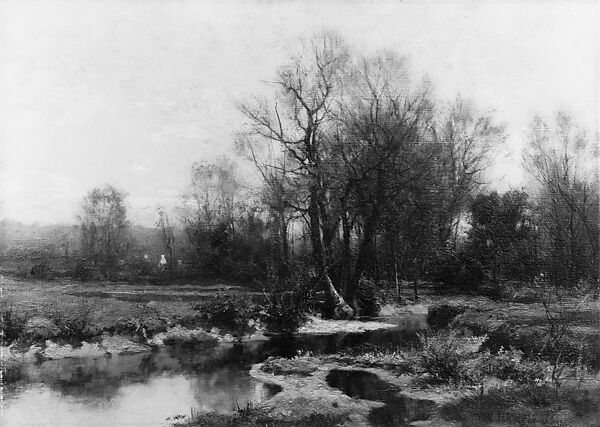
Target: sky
[133,92]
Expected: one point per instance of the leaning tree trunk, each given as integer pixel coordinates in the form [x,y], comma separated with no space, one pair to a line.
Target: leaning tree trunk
[335,305]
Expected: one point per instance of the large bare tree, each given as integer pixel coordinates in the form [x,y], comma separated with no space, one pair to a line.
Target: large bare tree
[297,123]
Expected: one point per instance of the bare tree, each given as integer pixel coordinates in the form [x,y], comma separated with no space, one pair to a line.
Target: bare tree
[467,139]
[297,124]
[563,160]
[382,120]
[209,208]
[104,224]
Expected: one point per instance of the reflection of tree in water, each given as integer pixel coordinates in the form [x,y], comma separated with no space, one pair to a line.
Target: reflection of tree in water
[12,380]
[223,389]
[218,375]
[99,380]
[229,355]
[96,380]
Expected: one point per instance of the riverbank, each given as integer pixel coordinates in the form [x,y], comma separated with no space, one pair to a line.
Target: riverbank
[44,320]
[476,365]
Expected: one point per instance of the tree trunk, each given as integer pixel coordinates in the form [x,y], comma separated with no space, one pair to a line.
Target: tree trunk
[363,257]
[346,253]
[340,309]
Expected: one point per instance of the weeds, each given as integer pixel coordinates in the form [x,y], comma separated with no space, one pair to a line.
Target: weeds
[525,405]
[302,366]
[510,365]
[443,358]
[74,321]
[12,324]
[284,312]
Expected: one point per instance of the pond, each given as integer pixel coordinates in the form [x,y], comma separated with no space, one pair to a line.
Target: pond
[397,411]
[147,388]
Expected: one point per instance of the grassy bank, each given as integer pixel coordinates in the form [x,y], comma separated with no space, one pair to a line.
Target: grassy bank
[70,312]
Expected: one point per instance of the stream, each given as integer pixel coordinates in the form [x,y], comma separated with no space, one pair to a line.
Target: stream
[148,388]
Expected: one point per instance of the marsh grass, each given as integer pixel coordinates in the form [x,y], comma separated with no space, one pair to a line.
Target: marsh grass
[254,415]
[302,366]
[12,323]
[527,405]
[391,358]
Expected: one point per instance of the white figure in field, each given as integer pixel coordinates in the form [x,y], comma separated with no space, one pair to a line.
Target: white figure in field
[162,264]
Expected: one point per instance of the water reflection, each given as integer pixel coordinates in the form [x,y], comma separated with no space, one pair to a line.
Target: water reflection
[142,389]
[146,388]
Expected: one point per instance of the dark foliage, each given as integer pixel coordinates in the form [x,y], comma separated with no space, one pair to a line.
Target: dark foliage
[231,314]
[367,298]
[85,270]
[42,270]
[443,359]
[285,312]
[439,316]
[12,323]
[461,271]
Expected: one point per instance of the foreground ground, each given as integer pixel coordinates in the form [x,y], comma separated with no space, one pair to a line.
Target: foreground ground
[482,361]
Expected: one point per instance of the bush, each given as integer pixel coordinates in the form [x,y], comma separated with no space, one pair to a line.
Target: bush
[367,298]
[234,315]
[85,270]
[12,324]
[439,316]
[462,272]
[509,365]
[506,336]
[42,271]
[443,358]
[74,321]
[283,314]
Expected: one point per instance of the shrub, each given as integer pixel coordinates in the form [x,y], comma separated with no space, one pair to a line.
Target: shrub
[367,298]
[461,271]
[505,336]
[285,312]
[74,321]
[443,358]
[85,270]
[40,329]
[439,316]
[42,270]
[235,315]
[282,315]
[509,365]
[12,324]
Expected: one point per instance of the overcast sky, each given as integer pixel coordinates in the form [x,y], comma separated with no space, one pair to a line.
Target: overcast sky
[133,92]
